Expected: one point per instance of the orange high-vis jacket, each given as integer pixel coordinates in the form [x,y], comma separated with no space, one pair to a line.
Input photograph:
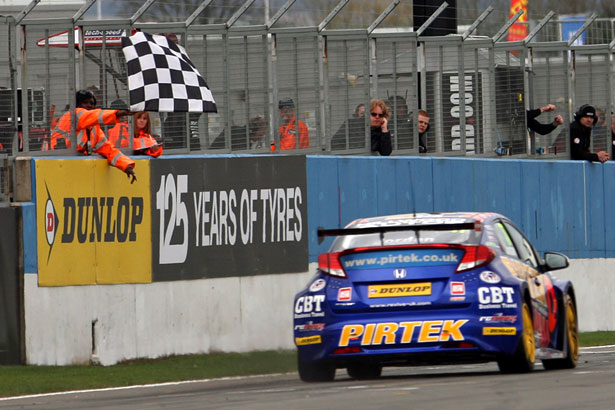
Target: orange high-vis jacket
[119,135]
[288,135]
[144,143]
[90,137]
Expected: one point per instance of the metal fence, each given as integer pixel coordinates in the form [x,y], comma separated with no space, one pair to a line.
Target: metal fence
[476,89]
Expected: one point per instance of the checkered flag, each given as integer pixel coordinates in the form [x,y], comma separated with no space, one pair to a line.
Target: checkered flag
[162,78]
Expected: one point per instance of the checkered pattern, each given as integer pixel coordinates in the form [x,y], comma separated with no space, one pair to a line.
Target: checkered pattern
[162,78]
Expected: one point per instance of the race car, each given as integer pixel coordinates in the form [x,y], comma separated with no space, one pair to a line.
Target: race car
[433,288]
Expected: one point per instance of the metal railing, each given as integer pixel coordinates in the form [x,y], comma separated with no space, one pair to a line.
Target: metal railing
[475,89]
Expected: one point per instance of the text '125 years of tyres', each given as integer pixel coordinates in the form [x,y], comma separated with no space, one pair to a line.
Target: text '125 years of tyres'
[224,217]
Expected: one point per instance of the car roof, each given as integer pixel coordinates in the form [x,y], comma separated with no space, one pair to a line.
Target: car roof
[432,218]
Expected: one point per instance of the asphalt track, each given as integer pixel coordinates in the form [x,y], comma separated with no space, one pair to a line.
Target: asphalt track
[590,386]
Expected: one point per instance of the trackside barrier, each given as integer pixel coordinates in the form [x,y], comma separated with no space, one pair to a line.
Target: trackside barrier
[236,296]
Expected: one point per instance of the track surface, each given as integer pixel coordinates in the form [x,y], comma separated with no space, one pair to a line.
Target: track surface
[590,386]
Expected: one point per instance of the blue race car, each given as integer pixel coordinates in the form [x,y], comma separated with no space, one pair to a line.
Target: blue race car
[437,288]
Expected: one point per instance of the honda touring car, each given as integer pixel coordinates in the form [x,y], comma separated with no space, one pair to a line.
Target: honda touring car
[437,288]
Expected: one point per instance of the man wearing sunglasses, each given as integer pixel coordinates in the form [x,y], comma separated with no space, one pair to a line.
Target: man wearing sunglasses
[379,120]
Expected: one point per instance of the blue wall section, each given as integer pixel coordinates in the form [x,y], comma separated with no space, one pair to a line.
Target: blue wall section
[561,205]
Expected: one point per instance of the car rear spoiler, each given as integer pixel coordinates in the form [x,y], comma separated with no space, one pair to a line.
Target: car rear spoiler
[382,229]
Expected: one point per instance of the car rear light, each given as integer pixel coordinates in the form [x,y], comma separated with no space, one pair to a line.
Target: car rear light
[350,349]
[475,256]
[329,263]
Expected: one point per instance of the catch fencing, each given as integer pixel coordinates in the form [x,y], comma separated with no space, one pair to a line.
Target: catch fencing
[476,89]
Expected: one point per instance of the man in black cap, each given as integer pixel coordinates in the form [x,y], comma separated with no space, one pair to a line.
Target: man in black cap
[580,135]
[293,132]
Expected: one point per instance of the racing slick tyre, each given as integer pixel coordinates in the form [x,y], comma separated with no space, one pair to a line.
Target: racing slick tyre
[315,371]
[572,340]
[522,361]
[364,371]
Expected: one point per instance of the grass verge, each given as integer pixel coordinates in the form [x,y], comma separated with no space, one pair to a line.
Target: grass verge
[23,380]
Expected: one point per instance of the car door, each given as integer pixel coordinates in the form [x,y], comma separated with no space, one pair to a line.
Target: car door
[541,288]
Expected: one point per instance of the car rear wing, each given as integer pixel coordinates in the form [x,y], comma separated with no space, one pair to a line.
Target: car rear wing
[383,229]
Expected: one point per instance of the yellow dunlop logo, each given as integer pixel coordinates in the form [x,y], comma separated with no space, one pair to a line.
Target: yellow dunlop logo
[499,331]
[309,340]
[401,289]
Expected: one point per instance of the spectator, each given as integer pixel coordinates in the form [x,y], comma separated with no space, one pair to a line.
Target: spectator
[291,127]
[380,135]
[355,127]
[542,129]
[423,128]
[144,143]
[580,135]
[119,135]
[90,136]
[401,123]
[239,140]
[359,112]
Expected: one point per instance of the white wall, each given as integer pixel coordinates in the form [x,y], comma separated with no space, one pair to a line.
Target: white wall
[159,319]
[213,315]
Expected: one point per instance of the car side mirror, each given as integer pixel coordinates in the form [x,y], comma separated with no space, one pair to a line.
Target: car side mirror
[555,261]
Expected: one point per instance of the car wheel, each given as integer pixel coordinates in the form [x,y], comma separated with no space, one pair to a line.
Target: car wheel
[572,346]
[522,360]
[315,371]
[364,371]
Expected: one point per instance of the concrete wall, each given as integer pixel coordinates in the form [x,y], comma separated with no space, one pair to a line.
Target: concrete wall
[158,319]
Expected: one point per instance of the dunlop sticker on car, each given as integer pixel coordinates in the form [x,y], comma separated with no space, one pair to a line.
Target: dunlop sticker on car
[399,289]
[309,340]
[499,331]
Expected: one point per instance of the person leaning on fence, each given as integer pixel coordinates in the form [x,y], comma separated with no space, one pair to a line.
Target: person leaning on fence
[255,140]
[542,129]
[355,126]
[423,128]
[144,143]
[119,135]
[90,136]
[580,135]
[293,132]
[380,135]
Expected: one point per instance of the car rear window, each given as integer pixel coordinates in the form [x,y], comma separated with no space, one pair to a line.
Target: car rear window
[423,237]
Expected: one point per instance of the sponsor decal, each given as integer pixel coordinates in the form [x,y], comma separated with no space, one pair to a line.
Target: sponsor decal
[310,327]
[344,303]
[408,289]
[373,334]
[309,306]
[495,295]
[499,331]
[408,304]
[490,277]
[401,259]
[500,318]
[458,288]
[496,298]
[309,340]
[457,298]
[317,285]
[344,294]
[410,221]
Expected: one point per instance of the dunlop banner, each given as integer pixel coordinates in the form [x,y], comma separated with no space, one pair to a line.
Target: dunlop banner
[93,226]
[229,216]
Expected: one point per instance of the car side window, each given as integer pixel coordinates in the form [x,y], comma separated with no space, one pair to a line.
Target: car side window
[526,253]
[506,242]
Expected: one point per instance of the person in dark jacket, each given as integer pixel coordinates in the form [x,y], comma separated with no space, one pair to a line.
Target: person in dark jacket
[380,135]
[543,129]
[580,135]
